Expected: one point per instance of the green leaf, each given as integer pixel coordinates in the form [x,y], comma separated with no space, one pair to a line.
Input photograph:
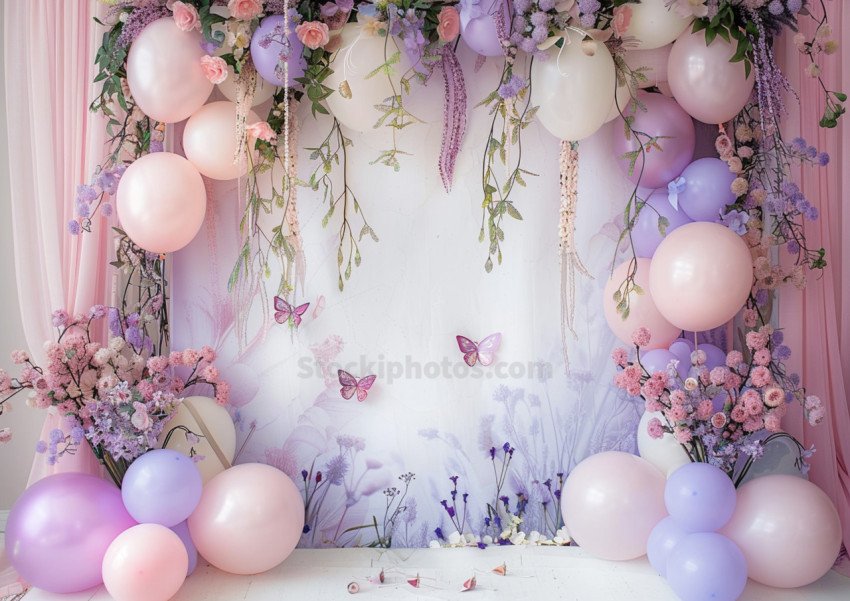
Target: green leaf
[512,211]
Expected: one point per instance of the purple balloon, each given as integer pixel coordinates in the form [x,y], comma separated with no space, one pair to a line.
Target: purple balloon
[478,28]
[662,539]
[658,359]
[673,128]
[718,401]
[707,566]
[59,529]
[266,59]
[161,487]
[707,189]
[714,356]
[682,349]
[646,235]
[182,530]
[700,497]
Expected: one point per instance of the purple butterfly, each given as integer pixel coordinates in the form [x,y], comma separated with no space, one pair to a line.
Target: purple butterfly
[284,312]
[350,385]
[484,351]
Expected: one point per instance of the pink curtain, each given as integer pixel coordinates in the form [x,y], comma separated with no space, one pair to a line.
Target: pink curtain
[54,144]
[817,320]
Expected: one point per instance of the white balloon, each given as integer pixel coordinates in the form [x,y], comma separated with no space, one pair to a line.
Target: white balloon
[664,453]
[359,54]
[263,90]
[653,61]
[573,90]
[653,24]
[209,140]
[218,423]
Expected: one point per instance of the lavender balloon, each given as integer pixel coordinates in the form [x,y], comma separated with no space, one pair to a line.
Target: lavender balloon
[674,132]
[267,44]
[658,359]
[707,566]
[663,538]
[478,25]
[59,529]
[714,356]
[700,497]
[707,189]
[682,348]
[646,233]
[162,487]
[182,531]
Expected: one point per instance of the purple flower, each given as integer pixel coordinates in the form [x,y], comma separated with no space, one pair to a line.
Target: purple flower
[56,435]
[77,434]
[86,193]
[520,6]
[775,7]
[114,322]
[777,337]
[336,469]
[798,144]
[106,209]
[812,213]
[439,533]
[546,5]
[83,209]
[823,159]
[736,221]
[304,475]
[133,336]
[783,353]
[74,227]
[59,318]
[41,447]
[156,146]
[761,297]
[539,18]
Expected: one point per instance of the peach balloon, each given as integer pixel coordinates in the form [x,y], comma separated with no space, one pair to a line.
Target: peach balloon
[709,87]
[653,64]
[164,72]
[701,275]
[147,562]
[787,528]
[611,502]
[209,140]
[642,309]
[249,519]
[161,202]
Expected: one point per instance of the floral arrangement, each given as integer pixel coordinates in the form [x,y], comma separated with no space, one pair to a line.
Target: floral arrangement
[115,397]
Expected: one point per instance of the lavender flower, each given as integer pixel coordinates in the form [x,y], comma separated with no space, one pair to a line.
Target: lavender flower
[74,227]
[736,221]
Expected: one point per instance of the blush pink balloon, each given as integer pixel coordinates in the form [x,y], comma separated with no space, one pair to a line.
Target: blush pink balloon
[249,519]
[642,309]
[209,140]
[161,202]
[611,502]
[709,87]
[164,72]
[665,120]
[787,528]
[700,276]
[147,562]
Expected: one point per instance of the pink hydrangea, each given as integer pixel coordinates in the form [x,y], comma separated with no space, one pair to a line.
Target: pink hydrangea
[654,428]
[620,356]
[641,337]
[753,405]
[676,413]
[718,375]
[750,318]
[762,357]
[718,420]
[190,357]
[760,376]
[222,393]
[753,424]
[756,340]
[653,405]
[682,435]
[738,413]
[678,397]
[772,422]
[733,381]
[704,409]
[208,354]
[654,385]
[210,374]
[20,357]
[734,359]
[158,364]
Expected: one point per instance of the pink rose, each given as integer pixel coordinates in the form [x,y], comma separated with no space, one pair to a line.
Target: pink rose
[313,34]
[215,69]
[448,25]
[261,130]
[245,10]
[622,18]
[185,16]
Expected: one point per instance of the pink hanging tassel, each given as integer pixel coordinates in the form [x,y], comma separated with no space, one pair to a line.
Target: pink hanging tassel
[454,115]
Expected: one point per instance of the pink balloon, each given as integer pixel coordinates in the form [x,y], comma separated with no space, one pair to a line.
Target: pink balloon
[164,72]
[662,118]
[611,502]
[161,202]
[701,275]
[709,87]
[642,309]
[653,62]
[787,528]
[148,562]
[249,520]
[209,140]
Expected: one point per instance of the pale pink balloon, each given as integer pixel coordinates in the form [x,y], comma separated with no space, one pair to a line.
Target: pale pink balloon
[209,140]
[653,64]
[161,202]
[709,87]
[249,519]
[701,275]
[787,528]
[642,309]
[164,72]
[611,502]
[147,562]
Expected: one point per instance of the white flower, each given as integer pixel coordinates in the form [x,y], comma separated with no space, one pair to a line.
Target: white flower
[116,344]
[564,534]
[518,538]
[455,538]
[434,544]
[102,356]
[487,540]
[534,536]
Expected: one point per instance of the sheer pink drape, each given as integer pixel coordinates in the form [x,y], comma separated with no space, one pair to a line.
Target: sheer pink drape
[817,320]
[54,143]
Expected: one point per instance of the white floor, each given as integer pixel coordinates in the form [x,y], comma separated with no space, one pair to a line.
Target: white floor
[537,573]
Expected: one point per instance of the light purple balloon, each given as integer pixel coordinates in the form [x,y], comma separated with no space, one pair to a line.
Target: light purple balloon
[682,349]
[707,189]
[662,117]
[59,529]
[663,538]
[714,356]
[718,401]
[646,235]
[266,59]
[707,566]
[182,530]
[658,359]
[479,32]
[161,487]
[700,497]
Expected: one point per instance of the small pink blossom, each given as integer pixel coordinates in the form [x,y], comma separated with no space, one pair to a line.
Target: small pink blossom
[210,374]
[756,340]
[654,428]
[750,318]
[760,376]
[620,356]
[734,359]
[185,16]
[762,357]
[753,405]
[245,10]
[678,397]
[208,354]
[222,393]
[641,337]
[698,357]
[158,364]
[313,34]
[733,381]
[738,413]
[772,422]
[676,413]
[261,130]
[704,409]
[214,67]
[653,405]
[190,357]
[753,424]
[718,376]
[5,434]
[682,435]
[20,357]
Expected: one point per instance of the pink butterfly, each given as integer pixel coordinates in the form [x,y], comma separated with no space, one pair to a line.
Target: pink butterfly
[484,351]
[285,312]
[350,385]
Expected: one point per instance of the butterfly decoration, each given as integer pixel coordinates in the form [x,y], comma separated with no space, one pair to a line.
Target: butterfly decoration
[501,570]
[414,582]
[351,385]
[469,585]
[484,351]
[284,312]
